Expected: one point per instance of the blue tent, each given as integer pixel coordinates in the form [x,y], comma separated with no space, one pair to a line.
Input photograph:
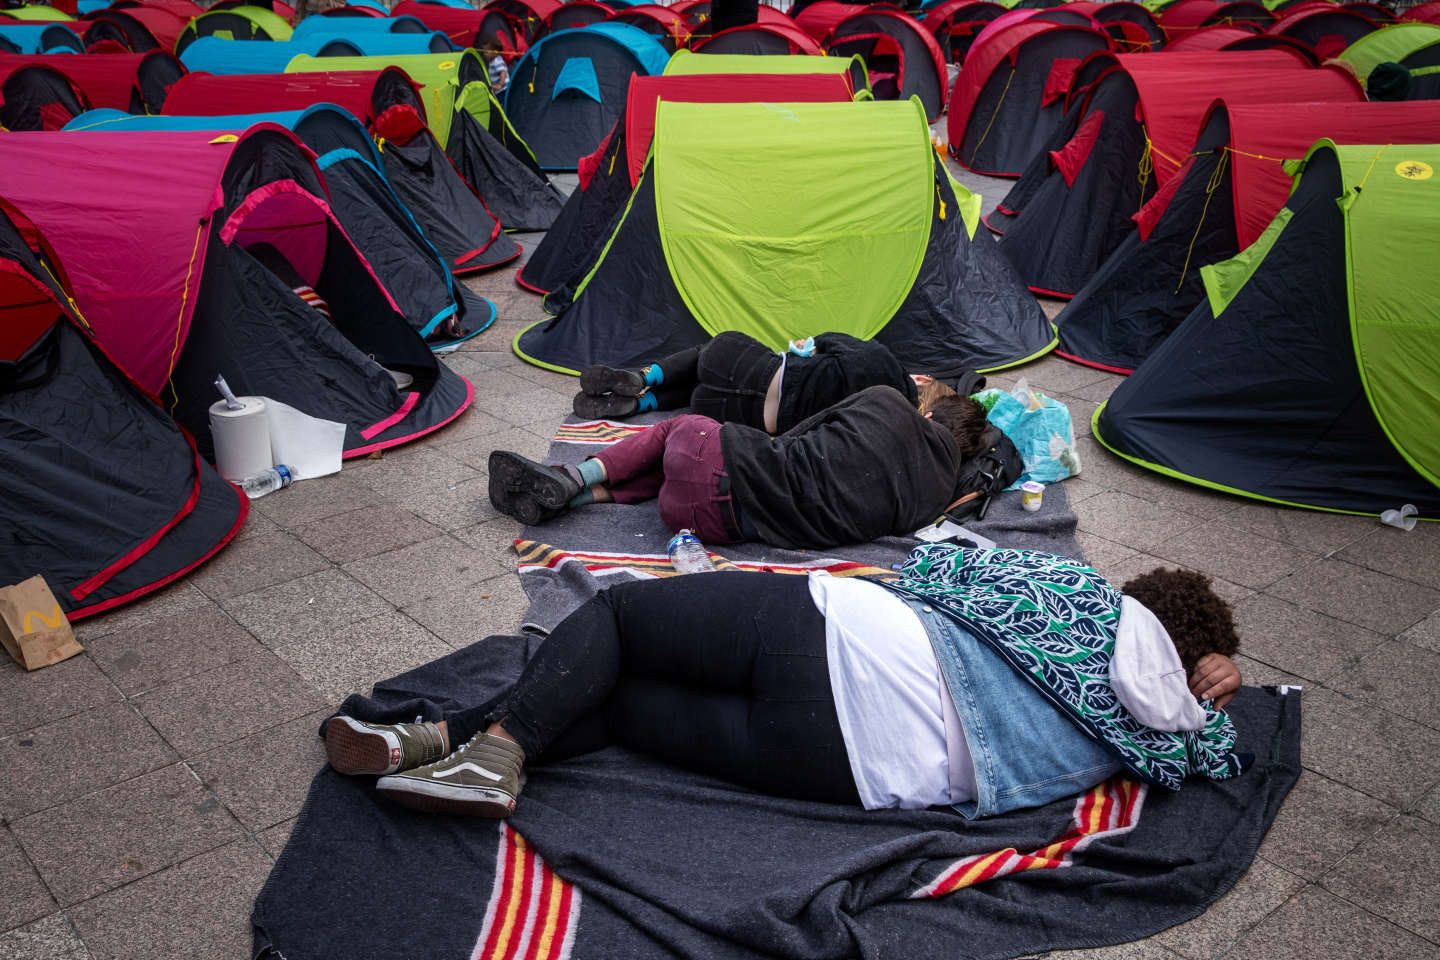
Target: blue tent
[355,26]
[569,89]
[385,45]
[377,222]
[218,55]
[39,38]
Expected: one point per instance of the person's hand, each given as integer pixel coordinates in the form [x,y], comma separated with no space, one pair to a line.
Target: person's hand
[1215,678]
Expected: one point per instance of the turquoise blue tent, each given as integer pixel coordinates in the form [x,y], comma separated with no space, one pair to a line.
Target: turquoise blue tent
[378,223]
[230,57]
[386,45]
[39,38]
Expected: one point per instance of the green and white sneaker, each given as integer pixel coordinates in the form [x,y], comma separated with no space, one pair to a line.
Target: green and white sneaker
[481,779]
[356,747]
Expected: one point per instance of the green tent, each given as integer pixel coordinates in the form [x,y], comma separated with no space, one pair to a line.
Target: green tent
[1311,374]
[235,23]
[1392,44]
[472,127]
[686,63]
[769,219]
[36,13]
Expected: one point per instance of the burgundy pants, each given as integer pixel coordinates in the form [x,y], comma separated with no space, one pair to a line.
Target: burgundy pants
[680,461]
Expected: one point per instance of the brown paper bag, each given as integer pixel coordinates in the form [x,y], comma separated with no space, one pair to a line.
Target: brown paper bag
[33,628]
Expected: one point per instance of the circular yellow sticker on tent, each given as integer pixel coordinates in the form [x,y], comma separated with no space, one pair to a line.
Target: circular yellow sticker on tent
[1414,170]
[446,64]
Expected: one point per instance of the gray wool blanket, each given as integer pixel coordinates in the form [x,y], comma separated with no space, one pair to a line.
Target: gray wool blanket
[612,855]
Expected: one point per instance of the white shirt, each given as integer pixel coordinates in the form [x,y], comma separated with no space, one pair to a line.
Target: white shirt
[890,698]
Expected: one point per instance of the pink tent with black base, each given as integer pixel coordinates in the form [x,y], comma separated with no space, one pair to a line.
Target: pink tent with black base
[211,267]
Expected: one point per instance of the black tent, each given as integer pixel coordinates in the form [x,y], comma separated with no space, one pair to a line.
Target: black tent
[569,89]
[894,261]
[1007,100]
[901,56]
[105,496]
[1308,375]
[37,97]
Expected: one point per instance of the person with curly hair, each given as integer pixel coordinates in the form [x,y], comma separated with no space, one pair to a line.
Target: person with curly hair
[982,680]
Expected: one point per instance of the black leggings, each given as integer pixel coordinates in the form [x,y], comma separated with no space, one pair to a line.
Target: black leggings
[721,673]
[725,380]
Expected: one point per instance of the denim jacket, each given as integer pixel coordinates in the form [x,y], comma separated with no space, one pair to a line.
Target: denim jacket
[1053,620]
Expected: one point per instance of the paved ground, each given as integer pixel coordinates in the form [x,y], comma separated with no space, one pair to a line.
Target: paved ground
[149,784]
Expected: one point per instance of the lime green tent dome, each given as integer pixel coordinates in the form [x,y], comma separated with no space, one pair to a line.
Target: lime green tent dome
[1390,44]
[1311,374]
[769,219]
[235,23]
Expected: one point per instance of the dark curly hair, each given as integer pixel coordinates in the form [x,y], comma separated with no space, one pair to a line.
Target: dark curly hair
[963,417]
[1198,621]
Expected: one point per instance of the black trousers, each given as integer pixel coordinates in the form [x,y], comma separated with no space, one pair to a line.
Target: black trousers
[723,673]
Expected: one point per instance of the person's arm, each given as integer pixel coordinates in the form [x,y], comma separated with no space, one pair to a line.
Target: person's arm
[1217,678]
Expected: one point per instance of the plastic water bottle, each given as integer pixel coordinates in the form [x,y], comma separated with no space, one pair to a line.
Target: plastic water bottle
[270,479]
[688,554]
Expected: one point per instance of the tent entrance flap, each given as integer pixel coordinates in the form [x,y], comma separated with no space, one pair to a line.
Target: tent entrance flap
[1393,320]
[846,251]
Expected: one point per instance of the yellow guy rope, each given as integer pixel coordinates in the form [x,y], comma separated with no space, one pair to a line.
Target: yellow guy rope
[1216,176]
[993,115]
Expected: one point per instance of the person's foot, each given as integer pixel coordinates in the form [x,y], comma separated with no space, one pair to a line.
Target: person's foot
[589,407]
[528,491]
[481,779]
[355,747]
[600,380]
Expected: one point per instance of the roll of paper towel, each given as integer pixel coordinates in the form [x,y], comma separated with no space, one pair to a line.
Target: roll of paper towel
[242,437]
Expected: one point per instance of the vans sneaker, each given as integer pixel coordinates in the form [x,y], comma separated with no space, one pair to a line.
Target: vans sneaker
[481,779]
[356,747]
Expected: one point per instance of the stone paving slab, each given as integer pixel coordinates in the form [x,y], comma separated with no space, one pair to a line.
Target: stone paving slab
[204,698]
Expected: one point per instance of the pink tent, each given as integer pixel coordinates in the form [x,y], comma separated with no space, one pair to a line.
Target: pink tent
[185,251]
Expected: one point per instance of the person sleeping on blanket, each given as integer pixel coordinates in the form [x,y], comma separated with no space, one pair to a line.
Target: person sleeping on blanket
[984,680]
[869,466]
[735,378]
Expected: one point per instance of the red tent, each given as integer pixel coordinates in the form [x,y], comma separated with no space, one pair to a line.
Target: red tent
[576,13]
[1003,97]
[1184,16]
[1133,27]
[1327,29]
[671,27]
[133,82]
[1135,131]
[1176,90]
[34,95]
[207,95]
[1261,137]
[168,282]
[1424,13]
[956,23]
[461,26]
[903,58]
[759,38]
[1209,38]
[821,17]
[528,16]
